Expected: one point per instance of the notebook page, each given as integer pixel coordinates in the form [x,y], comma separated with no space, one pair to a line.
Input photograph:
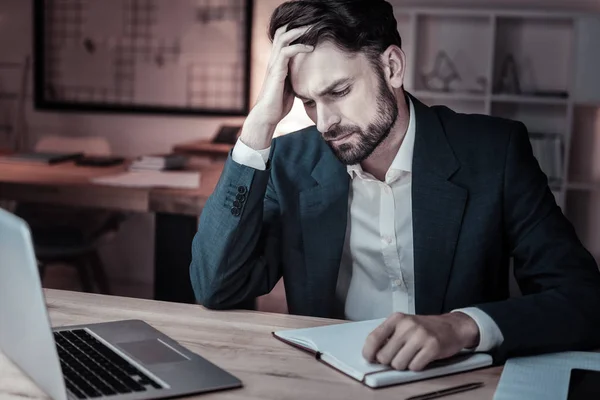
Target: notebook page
[340,344]
[341,347]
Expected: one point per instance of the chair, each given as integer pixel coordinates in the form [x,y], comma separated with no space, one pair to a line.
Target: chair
[72,235]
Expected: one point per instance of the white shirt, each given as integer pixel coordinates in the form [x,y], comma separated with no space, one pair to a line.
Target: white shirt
[376,276]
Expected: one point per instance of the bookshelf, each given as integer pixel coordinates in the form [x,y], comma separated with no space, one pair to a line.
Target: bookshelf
[538,67]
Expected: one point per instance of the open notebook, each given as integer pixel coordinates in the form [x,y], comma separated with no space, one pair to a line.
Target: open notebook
[340,346]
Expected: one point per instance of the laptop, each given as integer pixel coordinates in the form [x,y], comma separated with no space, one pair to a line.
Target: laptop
[119,360]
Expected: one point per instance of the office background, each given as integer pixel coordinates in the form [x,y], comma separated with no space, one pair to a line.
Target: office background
[129,258]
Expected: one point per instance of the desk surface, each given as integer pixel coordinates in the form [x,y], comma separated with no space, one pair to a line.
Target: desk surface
[68,184]
[240,342]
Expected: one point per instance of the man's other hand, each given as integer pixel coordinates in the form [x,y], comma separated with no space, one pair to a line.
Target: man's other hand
[412,341]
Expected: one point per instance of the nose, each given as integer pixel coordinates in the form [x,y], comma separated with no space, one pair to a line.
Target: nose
[326,118]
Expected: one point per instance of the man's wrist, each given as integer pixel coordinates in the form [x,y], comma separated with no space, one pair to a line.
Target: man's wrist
[256,133]
[466,328]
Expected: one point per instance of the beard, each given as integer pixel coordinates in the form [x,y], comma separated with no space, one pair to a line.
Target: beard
[357,150]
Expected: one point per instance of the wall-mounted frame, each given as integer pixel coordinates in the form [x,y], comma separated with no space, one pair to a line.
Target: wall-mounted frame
[143,56]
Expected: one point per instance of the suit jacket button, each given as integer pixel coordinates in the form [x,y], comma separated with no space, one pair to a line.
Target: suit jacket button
[242,189]
[235,211]
[237,204]
[241,197]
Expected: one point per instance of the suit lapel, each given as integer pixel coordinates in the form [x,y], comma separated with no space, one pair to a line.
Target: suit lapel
[438,207]
[324,213]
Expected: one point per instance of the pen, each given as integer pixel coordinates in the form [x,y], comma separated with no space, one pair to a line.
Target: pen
[447,392]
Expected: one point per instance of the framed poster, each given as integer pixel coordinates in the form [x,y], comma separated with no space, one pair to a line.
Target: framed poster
[150,56]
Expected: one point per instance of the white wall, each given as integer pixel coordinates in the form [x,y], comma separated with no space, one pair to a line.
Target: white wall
[131,256]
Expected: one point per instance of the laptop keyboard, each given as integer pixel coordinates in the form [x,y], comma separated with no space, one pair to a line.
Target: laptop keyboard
[91,369]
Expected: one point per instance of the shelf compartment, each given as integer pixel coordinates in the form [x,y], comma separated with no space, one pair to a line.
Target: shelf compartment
[538,118]
[452,46]
[541,52]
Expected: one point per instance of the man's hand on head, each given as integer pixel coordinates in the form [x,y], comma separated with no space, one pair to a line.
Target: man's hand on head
[412,341]
[276,97]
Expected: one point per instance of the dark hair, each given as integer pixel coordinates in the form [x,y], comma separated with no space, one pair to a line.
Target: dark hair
[367,26]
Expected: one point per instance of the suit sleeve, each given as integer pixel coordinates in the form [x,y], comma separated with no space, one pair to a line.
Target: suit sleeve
[559,279]
[235,253]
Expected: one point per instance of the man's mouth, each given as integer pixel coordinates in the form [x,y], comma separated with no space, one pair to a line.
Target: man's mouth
[339,138]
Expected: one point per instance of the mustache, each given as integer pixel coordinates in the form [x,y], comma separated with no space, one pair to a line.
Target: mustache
[340,131]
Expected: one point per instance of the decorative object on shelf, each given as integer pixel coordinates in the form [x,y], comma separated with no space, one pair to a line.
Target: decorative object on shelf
[151,56]
[481,85]
[444,73]
[508,83]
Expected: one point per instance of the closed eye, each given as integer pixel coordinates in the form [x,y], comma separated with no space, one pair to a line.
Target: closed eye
[341,93]
[338,94]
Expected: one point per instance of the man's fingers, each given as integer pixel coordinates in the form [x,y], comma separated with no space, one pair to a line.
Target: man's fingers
[378,338]
[290,51]
[285,38]
[427,354]
[279,70]
[281,42]
[280,31]
[403,333]
[390,348]
[406,354]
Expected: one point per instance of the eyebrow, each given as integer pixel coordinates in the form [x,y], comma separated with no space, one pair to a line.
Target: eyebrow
[328,89]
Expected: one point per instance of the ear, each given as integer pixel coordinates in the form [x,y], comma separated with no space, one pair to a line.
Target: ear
[394,65]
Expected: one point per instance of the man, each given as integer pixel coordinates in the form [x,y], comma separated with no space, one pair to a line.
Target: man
[389,208]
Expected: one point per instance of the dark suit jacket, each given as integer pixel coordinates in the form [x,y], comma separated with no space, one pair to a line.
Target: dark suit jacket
[479,197]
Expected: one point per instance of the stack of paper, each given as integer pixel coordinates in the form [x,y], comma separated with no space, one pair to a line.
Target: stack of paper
[168,179]
[159,163]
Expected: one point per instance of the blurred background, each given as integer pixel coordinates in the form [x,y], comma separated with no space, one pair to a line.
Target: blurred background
[141,77]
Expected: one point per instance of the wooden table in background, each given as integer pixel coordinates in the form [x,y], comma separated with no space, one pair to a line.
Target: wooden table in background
[241,343]
[176,210]
[204,148]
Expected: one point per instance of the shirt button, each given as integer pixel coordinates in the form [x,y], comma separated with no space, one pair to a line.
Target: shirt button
[398,282]
[387,239]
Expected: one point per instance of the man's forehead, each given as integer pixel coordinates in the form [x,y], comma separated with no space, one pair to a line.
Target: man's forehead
[312,72]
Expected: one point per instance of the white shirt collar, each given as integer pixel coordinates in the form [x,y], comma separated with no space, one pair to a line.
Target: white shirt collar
[404,157]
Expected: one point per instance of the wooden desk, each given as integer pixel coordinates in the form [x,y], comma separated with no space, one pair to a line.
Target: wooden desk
[240,342]
[177,210]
